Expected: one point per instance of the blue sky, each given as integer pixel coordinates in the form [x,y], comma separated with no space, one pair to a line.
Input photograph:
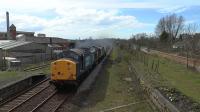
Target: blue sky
[97,18]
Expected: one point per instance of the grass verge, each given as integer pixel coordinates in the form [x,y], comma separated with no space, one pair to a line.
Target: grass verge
[171,74]
[115,87]
[12,76]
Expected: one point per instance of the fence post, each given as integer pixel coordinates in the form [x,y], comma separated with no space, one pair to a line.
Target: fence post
[152,66]
[147,61]
[158,66]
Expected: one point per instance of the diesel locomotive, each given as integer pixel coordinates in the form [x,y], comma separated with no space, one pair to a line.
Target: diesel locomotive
[75,64]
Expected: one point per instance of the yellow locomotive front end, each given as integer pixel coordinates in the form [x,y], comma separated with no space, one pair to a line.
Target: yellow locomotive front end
[63,71]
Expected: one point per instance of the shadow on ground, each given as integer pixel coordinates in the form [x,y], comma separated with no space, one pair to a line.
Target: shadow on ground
[100,86]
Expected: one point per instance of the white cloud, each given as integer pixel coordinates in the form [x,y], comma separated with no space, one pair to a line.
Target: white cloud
[90,22]
[38,5]
[175,9]
[74,18]
[71,20]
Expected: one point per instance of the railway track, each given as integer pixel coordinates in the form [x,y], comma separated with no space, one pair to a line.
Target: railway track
[23,92]
[52,103]
[42,98]
[19,100]
[35,68]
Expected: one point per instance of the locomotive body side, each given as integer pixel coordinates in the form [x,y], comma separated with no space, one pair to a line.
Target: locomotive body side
[72,68]
[75,65]
[94,50]
[98,54]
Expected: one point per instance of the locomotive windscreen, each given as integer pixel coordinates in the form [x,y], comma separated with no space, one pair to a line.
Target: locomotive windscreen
[69,54]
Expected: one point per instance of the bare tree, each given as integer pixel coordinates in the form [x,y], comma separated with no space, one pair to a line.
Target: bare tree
[191,28]
[191,43]
[160,28]
[172,24]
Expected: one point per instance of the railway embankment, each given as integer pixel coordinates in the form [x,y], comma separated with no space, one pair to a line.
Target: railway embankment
[170,85]
[154,94]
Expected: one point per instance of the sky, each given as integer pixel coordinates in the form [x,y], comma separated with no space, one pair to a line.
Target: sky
[74,19]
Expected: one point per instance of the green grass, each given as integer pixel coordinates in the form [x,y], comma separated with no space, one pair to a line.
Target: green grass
[112,90]
[46,70]
[6,74]
[174,75]
[10,76]
[35,65]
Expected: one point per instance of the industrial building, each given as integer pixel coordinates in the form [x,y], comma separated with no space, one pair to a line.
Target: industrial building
[18,48]
[21,52]
[28,52]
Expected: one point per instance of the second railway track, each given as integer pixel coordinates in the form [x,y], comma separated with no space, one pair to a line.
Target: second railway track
[19,100]
[52,103]
[36,68]
[42,98]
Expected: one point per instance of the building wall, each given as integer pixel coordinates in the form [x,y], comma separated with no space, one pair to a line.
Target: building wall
[26,33]
[29,53]
[30,48]
[46,40]
[37,51]
[3,35]
[34,58]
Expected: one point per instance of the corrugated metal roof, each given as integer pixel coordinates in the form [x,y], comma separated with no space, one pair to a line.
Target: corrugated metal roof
[8,44]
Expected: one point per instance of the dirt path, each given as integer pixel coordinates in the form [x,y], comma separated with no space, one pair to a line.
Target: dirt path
[179,59]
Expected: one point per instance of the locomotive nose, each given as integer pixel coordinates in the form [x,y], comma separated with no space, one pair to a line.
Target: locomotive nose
[63,70]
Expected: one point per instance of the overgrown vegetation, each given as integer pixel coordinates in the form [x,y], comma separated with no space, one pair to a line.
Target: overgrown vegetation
[182,84]
[170,73]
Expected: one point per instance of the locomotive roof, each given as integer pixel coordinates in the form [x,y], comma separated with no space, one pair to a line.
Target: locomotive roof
[98,46]
[69,59]
[95,47]
[78,51]
[86,49]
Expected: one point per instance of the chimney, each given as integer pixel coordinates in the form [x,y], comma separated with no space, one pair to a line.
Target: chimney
[50,40]
[7,20]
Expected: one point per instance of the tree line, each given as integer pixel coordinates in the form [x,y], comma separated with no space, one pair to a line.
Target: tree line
[172,30]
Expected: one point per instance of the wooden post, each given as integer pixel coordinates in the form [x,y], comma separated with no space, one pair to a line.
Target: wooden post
[152,66]
[158,64]
[4,60]
[187,57]
[147,61]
